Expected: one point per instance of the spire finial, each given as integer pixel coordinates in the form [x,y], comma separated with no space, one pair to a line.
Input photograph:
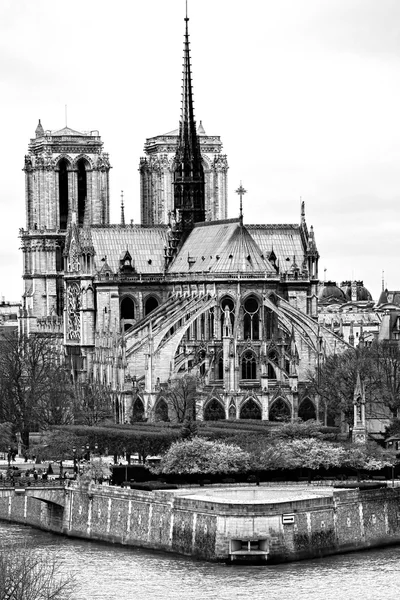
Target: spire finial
[122,209]
[302,210]
[383,281]
[241,191]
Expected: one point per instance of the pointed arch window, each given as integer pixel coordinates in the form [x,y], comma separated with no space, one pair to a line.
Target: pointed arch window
[127,312]
[250,410]
[307,410]
[150,305]
[63,192]
[161,411]
[279,411]
[214,411]
[251,320]
[138,410]
[249,365]
[82,191]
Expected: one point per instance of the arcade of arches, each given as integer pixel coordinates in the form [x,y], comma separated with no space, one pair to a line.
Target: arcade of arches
[214,410]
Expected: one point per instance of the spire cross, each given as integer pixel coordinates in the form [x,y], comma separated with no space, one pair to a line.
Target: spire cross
[241,191]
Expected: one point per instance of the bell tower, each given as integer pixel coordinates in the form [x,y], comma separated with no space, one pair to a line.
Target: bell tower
[66,173]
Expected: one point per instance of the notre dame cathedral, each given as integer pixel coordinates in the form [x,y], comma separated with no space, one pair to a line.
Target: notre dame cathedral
[188,291]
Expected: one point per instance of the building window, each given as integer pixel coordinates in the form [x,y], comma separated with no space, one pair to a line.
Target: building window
[250,410]
[249,365]
[127,311]
[307,410]
[150,305]
[251,320]
[214,411]
[63,192]
[82,191]
[138,410]
[161,411]
[279,411]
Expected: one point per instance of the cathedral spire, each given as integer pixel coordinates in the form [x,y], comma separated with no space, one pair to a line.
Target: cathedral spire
[122,209]
[189,194]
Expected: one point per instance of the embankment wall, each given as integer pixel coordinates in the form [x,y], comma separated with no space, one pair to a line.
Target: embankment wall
[176,522]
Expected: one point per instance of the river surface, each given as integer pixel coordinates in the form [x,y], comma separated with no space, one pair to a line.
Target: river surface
[108,572]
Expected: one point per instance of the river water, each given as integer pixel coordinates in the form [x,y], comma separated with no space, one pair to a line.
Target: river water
[108,572]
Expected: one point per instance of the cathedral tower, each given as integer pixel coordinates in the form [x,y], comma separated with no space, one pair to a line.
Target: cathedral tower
[184,169]
[66,173]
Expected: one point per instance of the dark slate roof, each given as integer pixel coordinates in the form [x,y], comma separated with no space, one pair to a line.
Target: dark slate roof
[284,240]
[221,247]
[145,245]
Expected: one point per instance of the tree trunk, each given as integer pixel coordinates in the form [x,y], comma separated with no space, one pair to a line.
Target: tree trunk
[25,438]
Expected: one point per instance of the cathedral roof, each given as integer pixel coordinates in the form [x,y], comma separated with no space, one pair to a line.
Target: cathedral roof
[284,240]
[145,245]
[220,247]
[67,131]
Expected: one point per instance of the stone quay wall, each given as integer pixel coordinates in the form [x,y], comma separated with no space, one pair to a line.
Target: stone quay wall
[178,521]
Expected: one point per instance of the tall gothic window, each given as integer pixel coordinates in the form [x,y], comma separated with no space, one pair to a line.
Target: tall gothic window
[219,366]
[127,312]
[249,365]
[251,320]
[150,305]
[138,410]
[161,411]
[63,192]
[82,191]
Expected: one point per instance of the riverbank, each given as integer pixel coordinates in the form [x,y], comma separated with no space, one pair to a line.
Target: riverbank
[272,524]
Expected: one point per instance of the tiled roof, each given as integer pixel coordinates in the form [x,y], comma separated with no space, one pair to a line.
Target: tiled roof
[220,247]
[145,244]
[285,240]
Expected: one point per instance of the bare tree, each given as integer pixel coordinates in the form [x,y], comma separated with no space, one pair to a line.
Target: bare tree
[92,404]
[379,369]
[27,573]
[34,387]
[181,398]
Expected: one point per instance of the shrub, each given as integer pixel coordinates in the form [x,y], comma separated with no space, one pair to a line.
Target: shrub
[199,455]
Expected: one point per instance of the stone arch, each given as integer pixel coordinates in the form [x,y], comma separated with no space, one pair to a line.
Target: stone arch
[219,365]
[161,410]
[214,410]
[307,410]
[138,411]
[280,410]
[248,364]
[127,311]
[250,409]
[150,303]
[66,158]
[83,157]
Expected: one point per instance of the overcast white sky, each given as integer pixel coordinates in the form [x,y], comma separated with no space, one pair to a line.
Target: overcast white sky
[305,95]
